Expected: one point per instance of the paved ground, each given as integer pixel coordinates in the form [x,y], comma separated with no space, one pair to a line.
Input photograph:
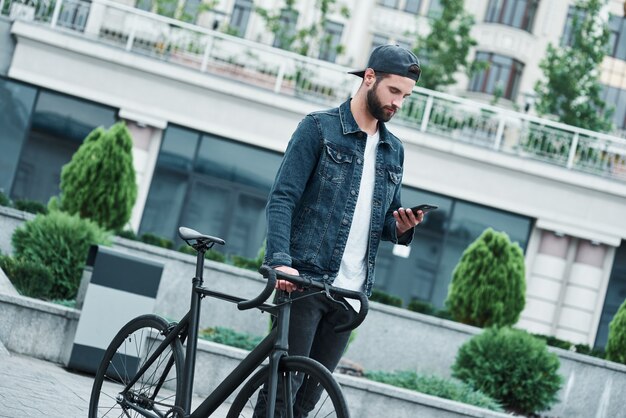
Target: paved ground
[36,388]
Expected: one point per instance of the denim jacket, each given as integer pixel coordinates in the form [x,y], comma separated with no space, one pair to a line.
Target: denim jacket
[312,201]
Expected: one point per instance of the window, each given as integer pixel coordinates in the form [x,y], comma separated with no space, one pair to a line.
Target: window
[144,5]
[241,14]
[517,13]
[16,106]
[617,37]
[331,41]
[614,96]
[568,33]
[389,3]
[217,186]
[288,19]
[445,233]
[615,295]
[190,10]
[503,73]
[412,6]
[379,40]
[435,9]
[59,125]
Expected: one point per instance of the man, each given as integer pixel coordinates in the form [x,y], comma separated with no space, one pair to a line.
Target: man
[336,195]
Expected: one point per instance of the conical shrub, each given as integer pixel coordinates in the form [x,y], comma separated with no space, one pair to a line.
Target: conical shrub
[488,284]
[616,344]
[99,182]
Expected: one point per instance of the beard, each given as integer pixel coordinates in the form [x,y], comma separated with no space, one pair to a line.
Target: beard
[377,110]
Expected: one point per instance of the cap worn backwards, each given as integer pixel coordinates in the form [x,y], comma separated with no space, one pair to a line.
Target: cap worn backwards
[393,59]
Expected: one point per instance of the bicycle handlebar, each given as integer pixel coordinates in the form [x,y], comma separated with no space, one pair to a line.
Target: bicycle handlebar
[272,275]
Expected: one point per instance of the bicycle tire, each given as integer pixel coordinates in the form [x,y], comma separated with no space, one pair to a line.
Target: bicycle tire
[124,357]
[331,402]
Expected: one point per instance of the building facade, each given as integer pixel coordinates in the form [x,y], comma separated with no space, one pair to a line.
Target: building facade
[211,113]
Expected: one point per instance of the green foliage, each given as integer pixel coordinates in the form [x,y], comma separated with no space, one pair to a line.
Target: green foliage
[29,278]
[385,298]
[445,49]
[99,182]
[60,242]
[488,284]
[209,255]
[435,386]
[616,344]
[511,366]
[250,263]
[571,88]
[426,308]
[153,239]
[31,206]
[4,199]
[229,337]
[128,234]
[570,346]
[305,40]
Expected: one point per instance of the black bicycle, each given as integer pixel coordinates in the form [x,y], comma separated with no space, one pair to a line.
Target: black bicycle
[145,373]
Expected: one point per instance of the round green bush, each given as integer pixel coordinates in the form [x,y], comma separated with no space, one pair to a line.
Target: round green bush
[488,284]
[60,242]
[511,366]
[29,278]
[616,344]
[99,182]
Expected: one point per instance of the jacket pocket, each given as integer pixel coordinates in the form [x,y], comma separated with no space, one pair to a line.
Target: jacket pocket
[337,161]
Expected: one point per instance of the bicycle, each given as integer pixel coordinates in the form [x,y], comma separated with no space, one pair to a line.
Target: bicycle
[144,372]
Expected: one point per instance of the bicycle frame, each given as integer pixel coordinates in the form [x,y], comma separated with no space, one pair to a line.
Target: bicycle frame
[274,346]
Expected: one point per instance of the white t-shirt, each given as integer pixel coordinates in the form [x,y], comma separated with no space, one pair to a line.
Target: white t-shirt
[353,269]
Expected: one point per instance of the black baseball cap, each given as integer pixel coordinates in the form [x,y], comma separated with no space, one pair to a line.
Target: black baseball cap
[393,59]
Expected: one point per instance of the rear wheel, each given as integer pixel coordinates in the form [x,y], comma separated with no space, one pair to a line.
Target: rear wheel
[314,392]
[156,390]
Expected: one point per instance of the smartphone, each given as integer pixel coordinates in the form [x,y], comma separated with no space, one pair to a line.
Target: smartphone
[424,208]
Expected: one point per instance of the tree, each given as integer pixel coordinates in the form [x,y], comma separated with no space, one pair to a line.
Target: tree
[616,344]
[571,88]
[488,285]
[444,50]
[308,38]
[99,182]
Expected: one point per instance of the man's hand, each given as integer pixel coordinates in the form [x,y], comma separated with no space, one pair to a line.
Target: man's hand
[284,284]
[406,219]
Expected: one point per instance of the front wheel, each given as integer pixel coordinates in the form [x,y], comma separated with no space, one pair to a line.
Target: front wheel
[305,388]
[156,390]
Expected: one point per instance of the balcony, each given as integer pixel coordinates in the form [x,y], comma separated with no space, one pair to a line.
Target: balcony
[289,74]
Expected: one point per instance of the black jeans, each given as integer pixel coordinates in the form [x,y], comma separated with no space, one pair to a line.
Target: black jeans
[312,334]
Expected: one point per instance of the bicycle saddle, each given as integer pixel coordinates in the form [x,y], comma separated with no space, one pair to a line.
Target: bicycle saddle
[188,234]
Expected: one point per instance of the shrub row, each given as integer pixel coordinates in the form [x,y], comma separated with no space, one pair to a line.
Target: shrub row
[26,205]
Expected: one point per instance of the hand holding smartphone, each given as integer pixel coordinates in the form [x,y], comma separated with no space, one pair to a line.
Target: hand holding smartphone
[425,208]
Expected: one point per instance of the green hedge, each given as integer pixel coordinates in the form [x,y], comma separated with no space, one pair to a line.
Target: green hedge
[616,344]
[435,386]
[511,366]
[229,337]
[29,278]
[60,242]
[385,298]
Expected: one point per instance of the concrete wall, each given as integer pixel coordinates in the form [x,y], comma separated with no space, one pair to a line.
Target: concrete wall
[8,45]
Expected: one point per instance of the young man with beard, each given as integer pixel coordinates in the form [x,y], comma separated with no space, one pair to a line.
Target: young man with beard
[336,196]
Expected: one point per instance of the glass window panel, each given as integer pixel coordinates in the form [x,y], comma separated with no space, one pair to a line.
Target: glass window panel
[247,231]
[168,188]
[240,16]
[208,209]
[16,106]
[144,5]
[434,9]
[332,39]
[288,19]
[615,295]
[414,277]
[468,223]
[389,3]
[379,40]
[237,162]
[413,6]
[59,125]
[190,11]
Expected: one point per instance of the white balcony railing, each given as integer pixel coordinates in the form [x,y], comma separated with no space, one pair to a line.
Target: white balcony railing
[287,73]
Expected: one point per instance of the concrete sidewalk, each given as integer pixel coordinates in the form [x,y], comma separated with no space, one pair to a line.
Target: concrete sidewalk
[37,388]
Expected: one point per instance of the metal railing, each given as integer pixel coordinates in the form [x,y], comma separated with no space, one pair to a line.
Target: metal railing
[291,74]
